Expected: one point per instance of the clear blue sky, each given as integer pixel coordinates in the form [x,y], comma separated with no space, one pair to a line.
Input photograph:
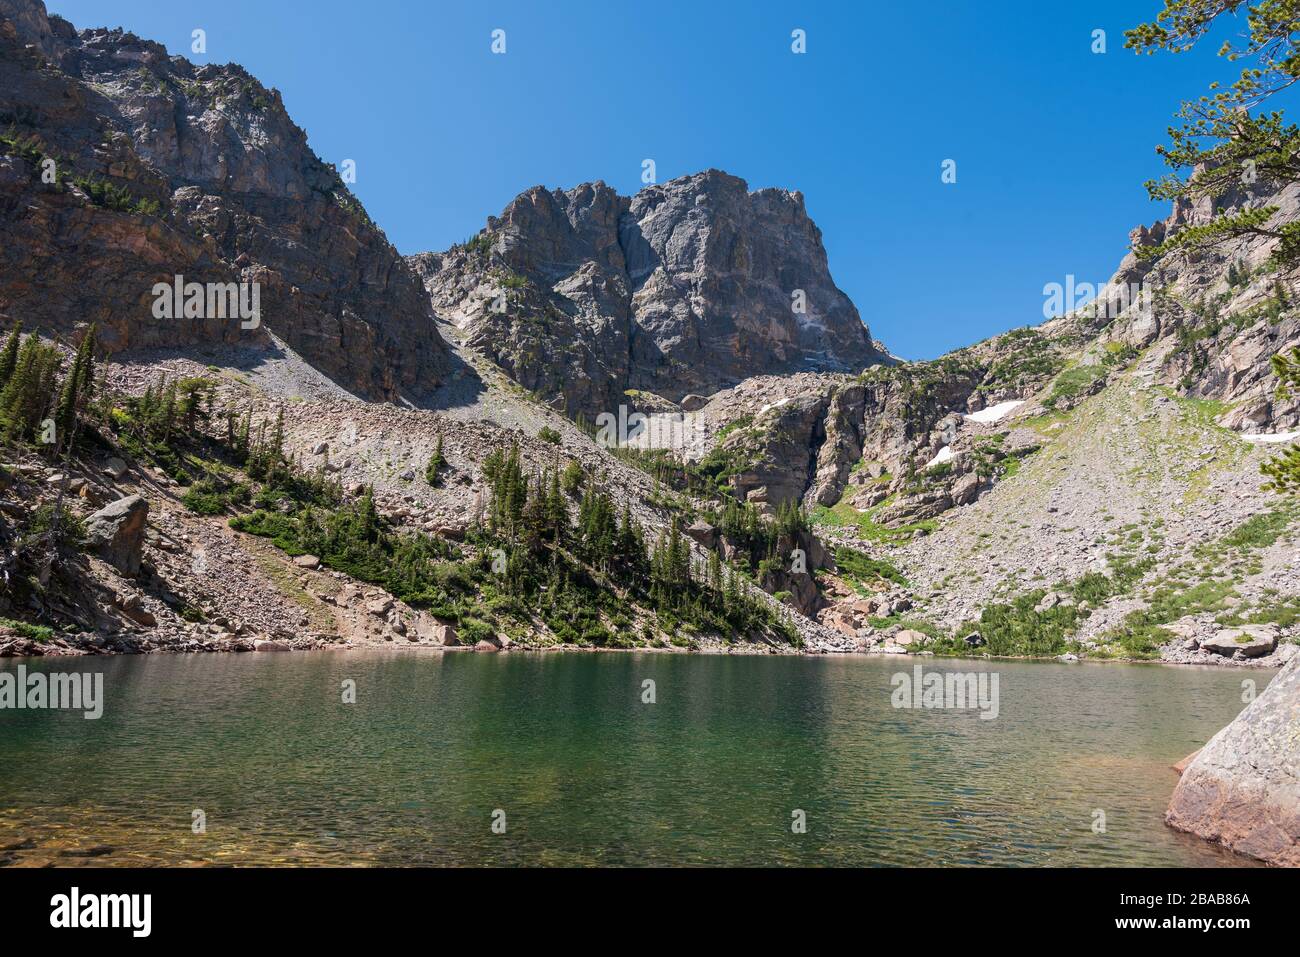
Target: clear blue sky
[1052,142]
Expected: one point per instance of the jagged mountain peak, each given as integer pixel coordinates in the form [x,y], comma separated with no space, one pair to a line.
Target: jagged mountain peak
[584,295]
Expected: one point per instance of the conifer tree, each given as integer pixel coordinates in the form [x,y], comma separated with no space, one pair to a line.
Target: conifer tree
[76,389]
[1283,470]
[1228,136]
[9,355]
[715,577]
[436,464]
[556,508]
[30,390]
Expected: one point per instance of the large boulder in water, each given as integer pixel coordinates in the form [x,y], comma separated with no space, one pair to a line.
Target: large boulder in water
[1242,790]
[116,532]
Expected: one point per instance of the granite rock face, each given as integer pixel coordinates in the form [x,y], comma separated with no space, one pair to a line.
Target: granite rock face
[683,289]
[1242,790]
[211,180]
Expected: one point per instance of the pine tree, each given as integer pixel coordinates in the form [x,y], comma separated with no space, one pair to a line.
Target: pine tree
[9,355]
[534,520]
[630,545]
[557,509]
[86,352]
[715,577]
[730,592]
[509,493]
[277,437]
[76,389]
[66,415]
[29,392]
[572,478]
[21,383]
[167,412]
[1283,470]
[436,464]
[195,399]
[242,444]
[658,579]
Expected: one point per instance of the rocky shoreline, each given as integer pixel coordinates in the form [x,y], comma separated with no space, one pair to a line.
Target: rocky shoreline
[17,646]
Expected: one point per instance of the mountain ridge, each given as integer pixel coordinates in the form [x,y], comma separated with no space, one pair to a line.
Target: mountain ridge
[125,167]
[680,289]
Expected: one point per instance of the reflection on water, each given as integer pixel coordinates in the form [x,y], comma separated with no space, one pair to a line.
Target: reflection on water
[286,773]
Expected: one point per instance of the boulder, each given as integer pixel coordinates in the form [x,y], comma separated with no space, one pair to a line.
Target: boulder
[909,638]
[115,469]
[307,561]
[974,640]
[915,508]
[1242,790]
[1053,599]
[966,489]
[74,485]
[379,606]
[693,403]
[134,609]
[270,644]
[702,532]
[869,496]
[1250,641]
[486,645]
[426,628]
[116,532]
[864,606]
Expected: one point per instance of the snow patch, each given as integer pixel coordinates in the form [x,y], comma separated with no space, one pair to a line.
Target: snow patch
[1271,437]
[944,455]
[997,412]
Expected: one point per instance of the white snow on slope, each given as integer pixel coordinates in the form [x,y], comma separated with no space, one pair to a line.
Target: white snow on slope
[944,455]
[996,412]
[1271,437]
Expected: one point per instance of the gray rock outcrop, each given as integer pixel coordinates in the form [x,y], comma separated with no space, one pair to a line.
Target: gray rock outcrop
[681,290]
[116,532]
[1242,790]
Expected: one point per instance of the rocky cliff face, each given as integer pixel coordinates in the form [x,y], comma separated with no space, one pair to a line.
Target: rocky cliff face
[688,287]
[865,438]
[1242,790]
[159,168]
